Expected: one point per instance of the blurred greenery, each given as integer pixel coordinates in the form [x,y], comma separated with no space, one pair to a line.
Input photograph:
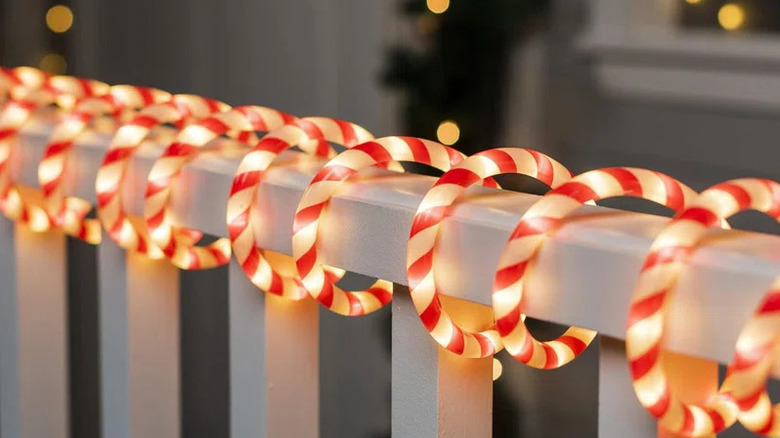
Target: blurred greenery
[460,69]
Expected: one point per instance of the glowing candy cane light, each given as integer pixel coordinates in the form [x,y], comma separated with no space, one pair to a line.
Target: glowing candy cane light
[68,212]
[742,394]
[130,233]
[177,242]
[316,198]
[426,227]
[310,134]
[60,90]
[542,219]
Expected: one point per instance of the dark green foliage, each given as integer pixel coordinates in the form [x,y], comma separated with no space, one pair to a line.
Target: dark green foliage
[460,72]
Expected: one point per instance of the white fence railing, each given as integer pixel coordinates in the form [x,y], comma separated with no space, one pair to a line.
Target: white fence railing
[585,276]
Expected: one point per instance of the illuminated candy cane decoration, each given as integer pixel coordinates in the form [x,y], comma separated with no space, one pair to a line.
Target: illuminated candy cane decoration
[177,242]
[316,198]
[542,219]
[62,90]
[743,388]
[125,231]
[15,83]
[311,134]
[68,212]
[426,227]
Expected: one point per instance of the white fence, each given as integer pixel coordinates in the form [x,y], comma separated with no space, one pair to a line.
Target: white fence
[585,277]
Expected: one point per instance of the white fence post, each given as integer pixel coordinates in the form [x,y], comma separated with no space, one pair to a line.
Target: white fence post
[435,393]
[274,362]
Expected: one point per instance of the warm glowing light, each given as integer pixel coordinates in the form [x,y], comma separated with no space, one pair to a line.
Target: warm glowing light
[497,369]
[693,2]
[438,6]
[53,63]
[731,16]
[448,132]
[59,18]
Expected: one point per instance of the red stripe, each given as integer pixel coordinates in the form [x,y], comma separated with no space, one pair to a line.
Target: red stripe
[145,121]
[627,180]
[271,144]
[575,344]
[333,172]
[551,357]
[577,191]
[213,124]
[246,179]
[428,218]
[154,221]
[532,226]
[309,128]
[526,350]
[661,406]
[146,95]
[307,261]
[57,148]
[747,359]
[430,316]
[254,117]
[700,215]
[420,268]
[381,294]
[419,151]
[774,189]
[103,198]
[509,275]
[459,176]
[738,193]
[502,159]
[688,423]
[213,105]
[238,224]
[544,167]
[306,216]
[666,254]
[249,265]
[644,363]
[771,302]
[675,197]
[179,149]
[506,324]
[355,307]
[485,346]
[645,307]
[347,133]
[376,151]
[456,343]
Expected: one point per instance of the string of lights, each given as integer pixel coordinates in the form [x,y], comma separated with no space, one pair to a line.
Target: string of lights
[742,396]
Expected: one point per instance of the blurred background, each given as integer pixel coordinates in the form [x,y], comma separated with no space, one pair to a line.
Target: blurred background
[686,87]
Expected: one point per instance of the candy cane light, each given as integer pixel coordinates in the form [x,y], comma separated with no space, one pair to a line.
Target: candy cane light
[742,395]
[426,227]
[316,198]
[538,222]
[15,83]
[177,243]
[60,90]
[310,134]
[128,232]
[68,212]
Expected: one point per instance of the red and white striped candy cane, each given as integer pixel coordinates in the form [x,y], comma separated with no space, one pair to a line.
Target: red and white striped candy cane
[435,207]
[130,233]
[742,393]
[16,82]
[177,242]
[68,212]
[60,90]
[312,135]
[542,219]
[316,198]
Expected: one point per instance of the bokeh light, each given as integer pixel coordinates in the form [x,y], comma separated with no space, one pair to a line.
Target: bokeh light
[731,16]
[59,18]
[438,6]
[53,63]
[448,132]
